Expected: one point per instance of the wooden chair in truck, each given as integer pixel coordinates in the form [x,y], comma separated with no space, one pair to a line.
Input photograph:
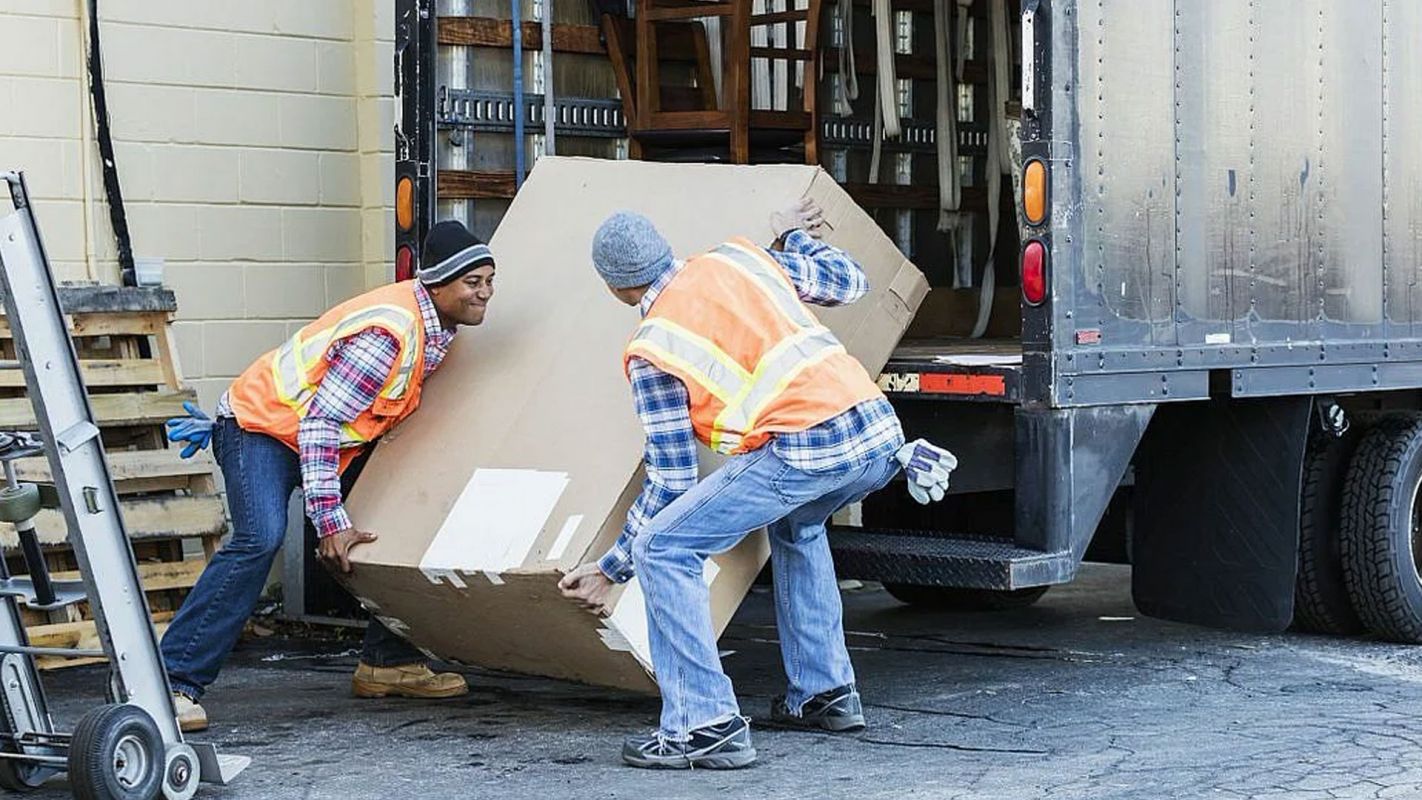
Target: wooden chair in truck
[694,120]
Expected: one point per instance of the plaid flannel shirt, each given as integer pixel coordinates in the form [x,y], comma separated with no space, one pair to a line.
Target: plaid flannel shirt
[823,275]
[357,368]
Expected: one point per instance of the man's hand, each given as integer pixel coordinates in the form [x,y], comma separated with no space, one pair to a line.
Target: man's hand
[805,215]
[588,586]
[927,467]
[334,550]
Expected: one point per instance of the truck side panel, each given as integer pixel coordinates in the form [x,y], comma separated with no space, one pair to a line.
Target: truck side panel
[1239,198]
[1126,104]
[1285,174]
[1212,142]
[1402,166]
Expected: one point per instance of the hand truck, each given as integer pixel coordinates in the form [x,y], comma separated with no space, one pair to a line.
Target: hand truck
[131,747]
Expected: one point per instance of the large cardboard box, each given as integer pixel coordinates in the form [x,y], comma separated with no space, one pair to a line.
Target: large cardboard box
[526,452]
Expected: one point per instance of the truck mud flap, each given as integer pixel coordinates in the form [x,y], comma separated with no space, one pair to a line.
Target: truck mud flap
[1217,516]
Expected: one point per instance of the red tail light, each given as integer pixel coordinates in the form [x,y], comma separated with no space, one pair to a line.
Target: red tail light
[404,263]
[1034,272]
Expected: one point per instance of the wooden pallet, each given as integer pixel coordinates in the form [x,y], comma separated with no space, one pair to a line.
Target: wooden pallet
[171,506]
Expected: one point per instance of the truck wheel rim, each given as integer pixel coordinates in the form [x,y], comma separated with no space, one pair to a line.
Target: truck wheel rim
[1415,519]
[130,761]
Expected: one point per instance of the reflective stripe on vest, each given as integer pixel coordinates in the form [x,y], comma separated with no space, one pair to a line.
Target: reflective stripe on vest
[745,395]
[771,280]
[293,361]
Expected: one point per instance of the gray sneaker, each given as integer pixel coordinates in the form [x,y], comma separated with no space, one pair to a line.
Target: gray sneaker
[724,746]
[837,710]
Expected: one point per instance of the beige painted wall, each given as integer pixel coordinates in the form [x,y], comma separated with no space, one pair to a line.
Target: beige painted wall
[254,145]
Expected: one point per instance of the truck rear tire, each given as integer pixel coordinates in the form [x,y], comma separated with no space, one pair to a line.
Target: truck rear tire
[1381,540]
[947,598]
[1322,603]
[17,776]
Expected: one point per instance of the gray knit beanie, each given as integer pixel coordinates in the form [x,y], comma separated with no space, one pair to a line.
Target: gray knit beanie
[628,252]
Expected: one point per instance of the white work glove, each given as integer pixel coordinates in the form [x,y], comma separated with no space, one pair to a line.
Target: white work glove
[805,215]
[927,467]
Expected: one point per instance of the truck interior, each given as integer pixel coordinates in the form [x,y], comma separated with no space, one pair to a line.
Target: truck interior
[943,186]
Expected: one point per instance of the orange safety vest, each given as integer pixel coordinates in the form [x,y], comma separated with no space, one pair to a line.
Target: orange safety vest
[754,359]
[274,394]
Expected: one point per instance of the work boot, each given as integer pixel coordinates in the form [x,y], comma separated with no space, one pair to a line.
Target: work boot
[726,745]
[837,710]
[191,716]
[406,680]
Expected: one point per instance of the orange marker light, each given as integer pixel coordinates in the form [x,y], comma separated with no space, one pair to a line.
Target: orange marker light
[405,204]
[1034,192]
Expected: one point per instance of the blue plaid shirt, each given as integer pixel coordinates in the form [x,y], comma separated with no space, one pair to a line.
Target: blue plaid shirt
[823,275]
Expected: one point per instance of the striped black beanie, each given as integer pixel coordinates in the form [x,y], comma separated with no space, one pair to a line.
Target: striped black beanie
[451,251]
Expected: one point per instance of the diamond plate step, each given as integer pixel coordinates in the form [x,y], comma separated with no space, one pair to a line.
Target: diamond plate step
[924,559]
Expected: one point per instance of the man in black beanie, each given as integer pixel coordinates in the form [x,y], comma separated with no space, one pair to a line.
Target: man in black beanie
[305,415]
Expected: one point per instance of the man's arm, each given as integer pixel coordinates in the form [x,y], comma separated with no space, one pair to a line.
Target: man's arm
[663,405]
[823,274]
[357,370]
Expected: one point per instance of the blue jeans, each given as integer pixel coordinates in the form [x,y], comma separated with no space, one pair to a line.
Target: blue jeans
[748,492]
[261,473]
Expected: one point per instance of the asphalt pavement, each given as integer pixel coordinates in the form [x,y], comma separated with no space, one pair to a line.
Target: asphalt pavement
[1078,696]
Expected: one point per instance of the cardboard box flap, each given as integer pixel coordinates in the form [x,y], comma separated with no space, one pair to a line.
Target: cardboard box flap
[909,287]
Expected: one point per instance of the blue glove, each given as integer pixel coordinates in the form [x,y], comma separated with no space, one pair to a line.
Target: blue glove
[927,467]
[195,429]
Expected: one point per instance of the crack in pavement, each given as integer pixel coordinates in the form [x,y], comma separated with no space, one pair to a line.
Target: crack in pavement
[941,713]
[951,746]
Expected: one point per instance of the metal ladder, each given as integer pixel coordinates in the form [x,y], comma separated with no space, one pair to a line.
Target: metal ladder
[130,747]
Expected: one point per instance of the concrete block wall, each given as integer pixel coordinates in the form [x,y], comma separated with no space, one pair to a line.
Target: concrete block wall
[254,145]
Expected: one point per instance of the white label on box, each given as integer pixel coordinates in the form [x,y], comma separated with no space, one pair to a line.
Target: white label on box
[627,626]
[565,537]
[629,620]
[614,640]
[393,623]
[495,521]
[435,574]
[1217,338]
[710,571]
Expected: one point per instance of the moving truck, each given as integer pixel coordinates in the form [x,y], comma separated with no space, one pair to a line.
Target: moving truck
[1204,348]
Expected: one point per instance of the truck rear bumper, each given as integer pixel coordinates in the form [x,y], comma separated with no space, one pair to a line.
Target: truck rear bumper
[971,370]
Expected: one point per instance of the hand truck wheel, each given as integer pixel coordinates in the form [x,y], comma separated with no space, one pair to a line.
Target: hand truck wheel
[180,773]
[116,753]
[19,503]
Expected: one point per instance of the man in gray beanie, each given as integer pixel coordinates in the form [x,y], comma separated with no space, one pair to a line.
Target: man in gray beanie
[628,252]
[728,353]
